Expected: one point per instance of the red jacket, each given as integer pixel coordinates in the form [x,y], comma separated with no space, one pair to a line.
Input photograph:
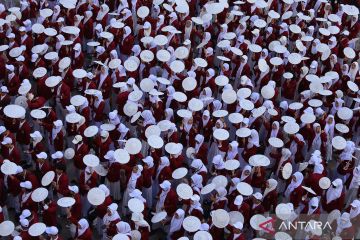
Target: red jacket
[13,156]
[99,112]
[58,142]
[76,210]
[127,44]
[85,186]
[79,155]
[14,185]
[113,174]
[105,87]
[63,184]
[87,235]
[334,204]
[13,85]
[270,200]
[170,202]
[27,203]
[165,174]
[49,213]
[65,94]
[23,134]
[296,195]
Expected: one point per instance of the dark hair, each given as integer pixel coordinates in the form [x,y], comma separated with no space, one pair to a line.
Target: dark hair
[61,167]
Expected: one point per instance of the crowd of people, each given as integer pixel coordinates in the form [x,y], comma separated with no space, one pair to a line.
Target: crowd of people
[179,119]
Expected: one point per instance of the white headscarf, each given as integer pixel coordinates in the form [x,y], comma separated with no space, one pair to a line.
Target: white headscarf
[218,162]
[329,128]
[285,155]
[348,152]
[56,129]
[196,180]
[246,168]
[274,132]
[343,223]
[133,178]
[199,141]
[84,225]
[355,181]
[124,228]
[148,117]
[165,162]
[114,215]
[231,154]
[170,93]
[355,212]
[272,185]
[198,165]
[176,221]
[313,205]
[104,9]
[253,139]
[299,177]
[334,193]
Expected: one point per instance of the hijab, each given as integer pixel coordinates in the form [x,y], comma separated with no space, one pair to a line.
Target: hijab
[334,192]
[272,186]
[104,9]
[165,162]
[218,162]
[285,155]
[177,220]
[329,128]
[170,95]
[355,212]
[196,184]
[253,139]
[199,141]
[343,223]
[299,177]
[124,228]
[313,205]
[84,225]
[347,153]
[114,215]
[355,181]
[243,174]
[198,165]
[56,129]
[274,132]
[134,177]
[234,182]
[148,118]
[231,154]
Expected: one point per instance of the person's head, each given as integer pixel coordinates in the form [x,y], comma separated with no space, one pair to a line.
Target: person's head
[26,186]
[41,157]
[7,142]
[257,198]
[73,190]
[60,168]
[238,226]
[52,232]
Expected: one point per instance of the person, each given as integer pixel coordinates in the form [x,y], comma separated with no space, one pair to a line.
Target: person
[105,105]
[83,231]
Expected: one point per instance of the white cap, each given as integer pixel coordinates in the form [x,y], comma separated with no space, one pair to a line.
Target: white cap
[42,155]
[52,230]
[27,185]
[6,140]
[74,189]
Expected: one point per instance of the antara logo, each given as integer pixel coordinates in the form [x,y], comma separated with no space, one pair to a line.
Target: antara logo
[296,225]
